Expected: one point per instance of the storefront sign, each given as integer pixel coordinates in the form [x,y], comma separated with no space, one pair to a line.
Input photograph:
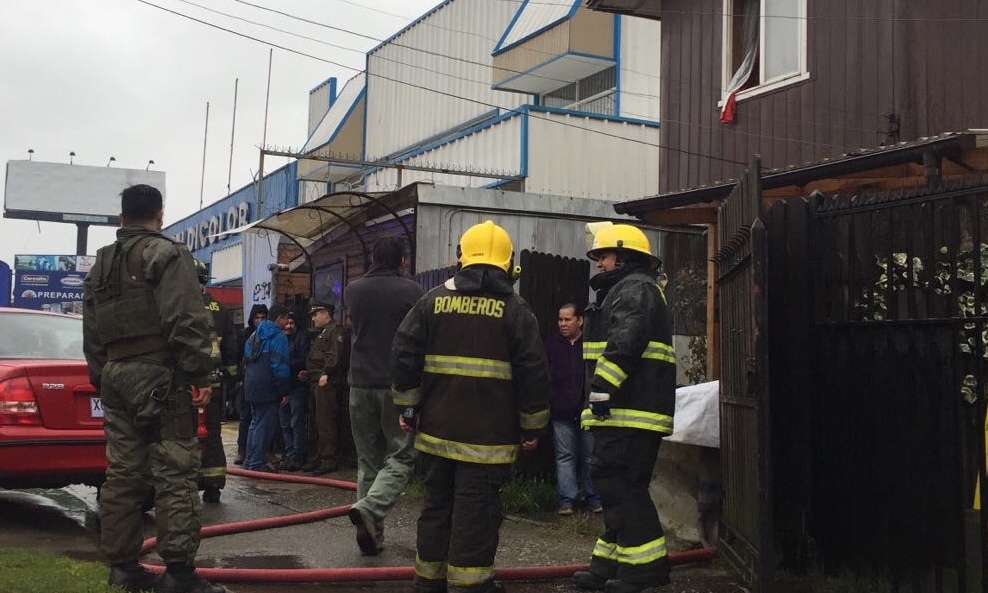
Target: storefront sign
[50,282]
[204,233]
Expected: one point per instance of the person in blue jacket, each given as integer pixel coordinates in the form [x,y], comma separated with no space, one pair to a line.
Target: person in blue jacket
[267,379]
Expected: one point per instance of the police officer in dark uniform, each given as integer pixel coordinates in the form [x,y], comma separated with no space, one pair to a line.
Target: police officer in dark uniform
[150,347]
[324,405]
[212,475]
[471,377]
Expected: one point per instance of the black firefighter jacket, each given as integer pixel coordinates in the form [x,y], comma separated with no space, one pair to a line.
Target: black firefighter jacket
[469,357]
[628,353]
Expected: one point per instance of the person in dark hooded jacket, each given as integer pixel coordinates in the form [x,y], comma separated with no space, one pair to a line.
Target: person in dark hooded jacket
[631,385]
[267,377]
[258,313]
[470,376]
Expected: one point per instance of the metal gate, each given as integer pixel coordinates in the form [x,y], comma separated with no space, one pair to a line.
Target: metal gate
[746,538]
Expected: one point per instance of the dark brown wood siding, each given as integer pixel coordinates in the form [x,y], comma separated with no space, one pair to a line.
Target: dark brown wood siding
[923,61]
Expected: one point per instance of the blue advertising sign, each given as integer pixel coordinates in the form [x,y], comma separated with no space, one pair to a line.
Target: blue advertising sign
[50,282]
[4,284]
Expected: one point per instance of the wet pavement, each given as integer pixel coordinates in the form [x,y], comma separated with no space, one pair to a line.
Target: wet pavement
[64,521]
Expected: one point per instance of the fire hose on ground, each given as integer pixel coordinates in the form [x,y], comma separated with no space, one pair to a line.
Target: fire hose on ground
[354,574]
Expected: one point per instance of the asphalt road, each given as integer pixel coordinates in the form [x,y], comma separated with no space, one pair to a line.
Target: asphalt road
[64,521]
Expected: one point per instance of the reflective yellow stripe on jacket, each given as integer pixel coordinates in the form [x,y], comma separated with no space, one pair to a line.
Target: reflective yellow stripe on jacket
[615,375]
[468,452]
[628,418]
[643,554]
[534,420]
[468,366]
[409,398]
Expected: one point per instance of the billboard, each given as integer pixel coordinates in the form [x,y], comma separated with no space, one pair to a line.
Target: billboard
[51,282]
[61,192]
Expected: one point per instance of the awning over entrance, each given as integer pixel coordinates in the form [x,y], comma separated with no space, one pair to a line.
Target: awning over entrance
[314,224]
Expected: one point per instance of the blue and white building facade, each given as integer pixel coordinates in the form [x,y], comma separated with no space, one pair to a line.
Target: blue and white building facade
[559,99]
[206,232]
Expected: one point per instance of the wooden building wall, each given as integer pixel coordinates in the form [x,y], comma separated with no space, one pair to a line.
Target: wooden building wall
[921,60]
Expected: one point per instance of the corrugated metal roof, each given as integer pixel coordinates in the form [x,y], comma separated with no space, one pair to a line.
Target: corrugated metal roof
[861,160]
[338,113]
[533,18]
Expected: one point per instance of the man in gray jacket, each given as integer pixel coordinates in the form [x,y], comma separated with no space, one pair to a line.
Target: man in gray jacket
[378,303]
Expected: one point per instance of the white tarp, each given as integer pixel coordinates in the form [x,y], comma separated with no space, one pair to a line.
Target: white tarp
[697,420]
[260,249]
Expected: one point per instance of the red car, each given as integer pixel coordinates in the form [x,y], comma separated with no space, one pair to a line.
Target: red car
[51,421]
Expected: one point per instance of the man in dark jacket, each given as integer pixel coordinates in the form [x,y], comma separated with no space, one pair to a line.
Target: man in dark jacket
[571,445]
[150,347]
[266,382]
[258,313]
[470,373]
[293,412]
[631,380]
[385,457]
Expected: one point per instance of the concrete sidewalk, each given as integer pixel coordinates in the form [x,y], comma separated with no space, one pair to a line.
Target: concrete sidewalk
[540,540]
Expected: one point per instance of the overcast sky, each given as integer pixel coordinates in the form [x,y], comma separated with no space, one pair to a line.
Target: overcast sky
[123,78]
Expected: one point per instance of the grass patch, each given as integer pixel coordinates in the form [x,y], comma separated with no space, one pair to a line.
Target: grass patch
[578,524]
[31,571]
[527,495]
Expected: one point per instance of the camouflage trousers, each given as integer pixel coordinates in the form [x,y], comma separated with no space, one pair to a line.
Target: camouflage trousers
[150,430]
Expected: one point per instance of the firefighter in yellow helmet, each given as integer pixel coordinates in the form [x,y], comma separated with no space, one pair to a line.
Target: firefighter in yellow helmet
[630,381]
[470,378]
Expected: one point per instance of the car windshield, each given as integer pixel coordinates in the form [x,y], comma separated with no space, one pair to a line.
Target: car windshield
[41,337]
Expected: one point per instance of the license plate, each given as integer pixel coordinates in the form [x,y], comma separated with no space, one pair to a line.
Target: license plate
[95,407]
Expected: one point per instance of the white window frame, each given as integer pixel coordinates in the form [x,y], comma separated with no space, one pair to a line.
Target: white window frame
[763,86]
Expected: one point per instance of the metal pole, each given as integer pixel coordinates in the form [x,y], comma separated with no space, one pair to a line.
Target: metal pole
[205,136]
[81,238]
[233,129]
[264,142]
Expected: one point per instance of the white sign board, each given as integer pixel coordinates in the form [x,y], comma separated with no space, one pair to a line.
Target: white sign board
[61,192]
[260,255]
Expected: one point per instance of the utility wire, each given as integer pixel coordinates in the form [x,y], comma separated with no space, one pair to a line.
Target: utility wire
[486,84]
[707,87]
[477,101]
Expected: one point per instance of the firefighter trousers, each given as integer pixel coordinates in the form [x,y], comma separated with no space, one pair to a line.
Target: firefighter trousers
[458,529]
[632,547]
[212,474]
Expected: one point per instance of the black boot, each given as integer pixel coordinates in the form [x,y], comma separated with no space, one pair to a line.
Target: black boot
[132,577]
[185,581]
[585,579]
[211,495]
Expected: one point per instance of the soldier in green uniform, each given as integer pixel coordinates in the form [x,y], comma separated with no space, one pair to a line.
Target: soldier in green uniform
[149,343]
[323,397]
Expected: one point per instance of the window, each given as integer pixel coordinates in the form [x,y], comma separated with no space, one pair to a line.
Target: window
[594,94]
[764,43]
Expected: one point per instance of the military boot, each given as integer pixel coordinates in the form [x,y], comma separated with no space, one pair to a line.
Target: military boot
[132,577]
[185,580]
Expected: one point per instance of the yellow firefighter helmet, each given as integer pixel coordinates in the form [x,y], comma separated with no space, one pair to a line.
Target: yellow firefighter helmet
[620,236]
[485,243]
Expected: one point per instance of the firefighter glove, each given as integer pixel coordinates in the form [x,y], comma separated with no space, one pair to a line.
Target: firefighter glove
[600,404]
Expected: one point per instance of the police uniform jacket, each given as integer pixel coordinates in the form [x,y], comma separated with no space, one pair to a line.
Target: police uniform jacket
[468,356]
[324,352]
[627,351]
[142,299]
